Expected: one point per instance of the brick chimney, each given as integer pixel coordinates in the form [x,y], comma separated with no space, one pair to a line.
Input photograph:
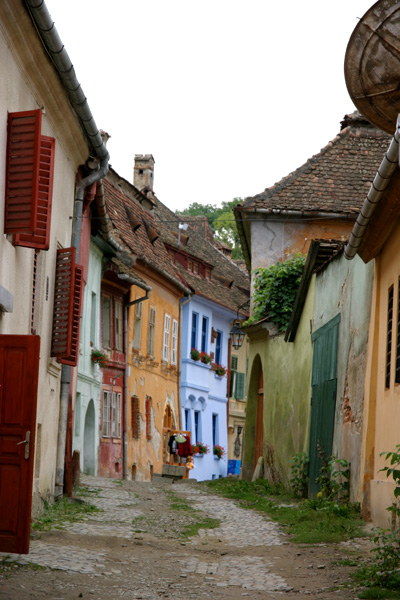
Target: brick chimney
[143,173]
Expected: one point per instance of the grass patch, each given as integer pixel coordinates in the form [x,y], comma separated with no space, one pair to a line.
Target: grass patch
[379,593]
[178,503]
[193,528]
[55,515]
[87,492]
[307,521]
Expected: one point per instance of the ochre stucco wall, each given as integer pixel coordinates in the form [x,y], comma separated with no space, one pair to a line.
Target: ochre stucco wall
[151,378]
[382,405]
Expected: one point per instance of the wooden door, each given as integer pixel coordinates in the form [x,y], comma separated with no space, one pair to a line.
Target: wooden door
[259,437]
[19,367]
[323,396]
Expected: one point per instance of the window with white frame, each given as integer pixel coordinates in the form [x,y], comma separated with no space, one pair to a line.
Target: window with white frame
[204,329]
[116,415]
[167,328]
[138,325]
[106,305]
[150,335]
[106,425]
[174,348]
[193,336]
[118,325]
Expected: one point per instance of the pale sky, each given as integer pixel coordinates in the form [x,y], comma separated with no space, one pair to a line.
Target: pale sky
[228,96]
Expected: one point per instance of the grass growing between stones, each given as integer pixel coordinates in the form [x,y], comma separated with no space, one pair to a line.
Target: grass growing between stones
[57,514]
[307,522]
[193,529]
[178,503]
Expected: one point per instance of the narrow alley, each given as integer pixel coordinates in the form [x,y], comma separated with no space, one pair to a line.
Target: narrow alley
[137,546]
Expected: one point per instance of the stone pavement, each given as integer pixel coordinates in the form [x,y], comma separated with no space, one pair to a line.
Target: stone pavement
[133,549]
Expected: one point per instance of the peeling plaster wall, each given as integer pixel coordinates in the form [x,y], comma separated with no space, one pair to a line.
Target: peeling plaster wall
[345,287]
[287,392]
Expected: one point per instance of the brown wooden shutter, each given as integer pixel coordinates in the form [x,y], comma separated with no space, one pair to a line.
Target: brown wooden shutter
[72,359]
[63,303]
[40,238]
[22,171]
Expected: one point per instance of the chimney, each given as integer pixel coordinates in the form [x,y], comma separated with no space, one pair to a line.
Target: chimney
[143,173]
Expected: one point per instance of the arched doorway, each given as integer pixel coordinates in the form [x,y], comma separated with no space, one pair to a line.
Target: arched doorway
[89,440]
[259,434]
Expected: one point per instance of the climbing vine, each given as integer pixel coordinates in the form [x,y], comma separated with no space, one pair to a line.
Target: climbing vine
[275,290]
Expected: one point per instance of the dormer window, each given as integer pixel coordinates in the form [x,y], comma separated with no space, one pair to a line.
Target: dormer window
[190,265]
[196,268]
[208,274]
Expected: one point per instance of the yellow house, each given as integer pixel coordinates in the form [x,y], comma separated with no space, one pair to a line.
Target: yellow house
[151,394]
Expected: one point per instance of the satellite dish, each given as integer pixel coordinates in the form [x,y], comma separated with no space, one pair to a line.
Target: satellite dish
[372,65]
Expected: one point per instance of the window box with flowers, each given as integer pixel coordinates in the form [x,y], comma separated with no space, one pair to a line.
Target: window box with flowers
[205,358]
[99,358]
[219,369]
[200,449]
[194,354]
[218,451]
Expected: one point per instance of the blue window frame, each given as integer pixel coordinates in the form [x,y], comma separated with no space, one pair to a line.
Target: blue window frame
[187,419]
[204,328]
[218,348]
[195,320]
[197,426]
[215,429]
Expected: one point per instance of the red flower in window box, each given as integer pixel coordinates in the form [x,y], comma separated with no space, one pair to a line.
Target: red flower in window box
[200,448]
[205,358]
[194,354]
[99,358]
[219,369]
[219,451]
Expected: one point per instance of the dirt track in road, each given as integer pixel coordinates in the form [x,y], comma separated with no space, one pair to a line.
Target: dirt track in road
[134,549]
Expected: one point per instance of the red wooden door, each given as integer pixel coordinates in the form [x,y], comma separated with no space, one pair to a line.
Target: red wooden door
[19,366]
[259,441]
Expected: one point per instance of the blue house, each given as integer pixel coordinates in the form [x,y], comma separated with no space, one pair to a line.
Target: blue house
[219,290]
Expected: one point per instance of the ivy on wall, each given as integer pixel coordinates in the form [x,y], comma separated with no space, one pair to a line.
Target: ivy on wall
[275,290]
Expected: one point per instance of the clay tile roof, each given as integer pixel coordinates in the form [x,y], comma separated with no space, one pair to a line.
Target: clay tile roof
[335,180]
[136,240]
[229,285]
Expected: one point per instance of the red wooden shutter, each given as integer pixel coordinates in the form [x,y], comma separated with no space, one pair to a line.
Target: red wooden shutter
[40,238]
[72,359]
[63,303]
[22,171]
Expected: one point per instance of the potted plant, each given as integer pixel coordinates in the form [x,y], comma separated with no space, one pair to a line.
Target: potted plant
[219,370]
[194,354]
[200,448]
[99,358]
[205,358]
[218,451]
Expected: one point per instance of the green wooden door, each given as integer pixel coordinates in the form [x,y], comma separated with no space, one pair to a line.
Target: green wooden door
[323,398]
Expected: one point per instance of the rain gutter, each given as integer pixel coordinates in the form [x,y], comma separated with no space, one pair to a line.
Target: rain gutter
[379,185]
[51,40]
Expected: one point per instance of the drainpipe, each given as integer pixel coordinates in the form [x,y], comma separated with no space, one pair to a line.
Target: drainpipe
[63,65]
[147,289]
[179,359]
[379,185]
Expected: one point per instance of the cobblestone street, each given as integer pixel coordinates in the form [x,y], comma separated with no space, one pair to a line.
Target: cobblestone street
[134,549]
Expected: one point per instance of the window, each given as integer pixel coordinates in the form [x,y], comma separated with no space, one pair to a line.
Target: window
[135,417]
[215,430]
[197,426]
[148,418]
[116,415]
[208,274]
[106,306]
[389,336]
[106,425]
[397,377]
[237,380]
[204,328]
[196,268]
[93,319]
[118,326]
[150,335]
[193,339]
[174,349]
[190,265]
[167,327]
[68,292]
[187,419]
[138,325]
[29,180]
[77,429]
[218,348]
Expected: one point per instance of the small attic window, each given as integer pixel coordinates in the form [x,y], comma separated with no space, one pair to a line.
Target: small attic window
[196,268]
[190,265]
[172,255]
[208,274]
[140,171]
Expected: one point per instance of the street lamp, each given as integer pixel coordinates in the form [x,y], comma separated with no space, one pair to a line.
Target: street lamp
[236,335]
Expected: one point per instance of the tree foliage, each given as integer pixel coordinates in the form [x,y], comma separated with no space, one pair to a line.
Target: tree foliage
[275,290]
[221,220]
